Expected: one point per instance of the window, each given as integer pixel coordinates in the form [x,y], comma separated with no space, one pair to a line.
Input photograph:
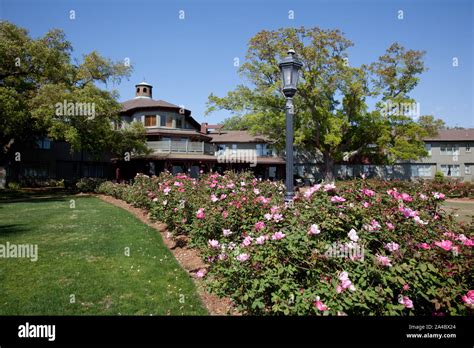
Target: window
[40,171]
[450,169]
[144,89]
[262,150]
[234,148]
[428,149]
[179,123]
[138,90]
[163,121]
[44,143]
[450,149]
[150,120]
[467,169]
[220,149]
[169,121]
[421,170]
[468,147]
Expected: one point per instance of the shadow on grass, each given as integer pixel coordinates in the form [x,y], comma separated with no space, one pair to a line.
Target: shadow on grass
[6,230]
[33,196]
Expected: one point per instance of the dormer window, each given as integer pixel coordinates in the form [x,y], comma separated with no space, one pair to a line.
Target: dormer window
[138,90]
[144,89]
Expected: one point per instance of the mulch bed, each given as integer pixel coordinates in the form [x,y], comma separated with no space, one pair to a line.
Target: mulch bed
[188,258]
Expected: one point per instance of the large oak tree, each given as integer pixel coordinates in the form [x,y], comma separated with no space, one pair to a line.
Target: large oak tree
[331,112]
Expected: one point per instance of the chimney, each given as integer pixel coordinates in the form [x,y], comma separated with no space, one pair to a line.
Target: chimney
[204,127]
[143,90]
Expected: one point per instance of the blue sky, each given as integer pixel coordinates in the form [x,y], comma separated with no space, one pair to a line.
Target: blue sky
[188,59]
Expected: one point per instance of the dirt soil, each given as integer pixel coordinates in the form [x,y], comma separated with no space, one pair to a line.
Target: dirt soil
[188,258]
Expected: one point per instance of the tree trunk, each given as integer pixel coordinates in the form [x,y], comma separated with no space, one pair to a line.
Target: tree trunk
[328,167]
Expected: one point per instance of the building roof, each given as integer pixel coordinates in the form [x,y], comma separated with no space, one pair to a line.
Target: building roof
[140,103]
[231,136]
[144,103]
[453,135]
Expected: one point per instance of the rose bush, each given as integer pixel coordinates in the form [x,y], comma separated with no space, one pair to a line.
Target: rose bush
[351,250]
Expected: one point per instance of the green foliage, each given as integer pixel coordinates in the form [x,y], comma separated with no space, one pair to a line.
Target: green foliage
[439,176]
[37,75]
[89,184]
[331,115]
[287,274]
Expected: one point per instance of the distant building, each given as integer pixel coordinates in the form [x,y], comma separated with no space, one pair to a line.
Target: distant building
[180,144]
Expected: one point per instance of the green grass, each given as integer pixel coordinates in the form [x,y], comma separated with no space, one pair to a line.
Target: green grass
[81,252]
[463,210]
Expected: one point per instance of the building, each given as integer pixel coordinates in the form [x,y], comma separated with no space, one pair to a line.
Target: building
[450,152]
[180,144]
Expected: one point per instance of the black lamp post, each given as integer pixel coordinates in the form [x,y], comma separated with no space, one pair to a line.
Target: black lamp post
[290,67]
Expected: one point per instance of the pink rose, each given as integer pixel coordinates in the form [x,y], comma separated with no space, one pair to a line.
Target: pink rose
[320,305]
[337,199]
[213,243]
[384,261]
[468,299]
[405,300]
[200,213]
[278,236]
[260,225]
[445,244]
[243,257]
[314,229]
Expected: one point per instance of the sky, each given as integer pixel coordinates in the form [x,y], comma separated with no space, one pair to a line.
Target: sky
[188,59]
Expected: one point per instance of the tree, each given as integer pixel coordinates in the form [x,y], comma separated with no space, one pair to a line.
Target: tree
[331,114]
[38,76]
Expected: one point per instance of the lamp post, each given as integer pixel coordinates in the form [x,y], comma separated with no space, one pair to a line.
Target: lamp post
[289,67]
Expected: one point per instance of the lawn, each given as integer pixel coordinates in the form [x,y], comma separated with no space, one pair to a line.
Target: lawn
[463,210]
[82,266]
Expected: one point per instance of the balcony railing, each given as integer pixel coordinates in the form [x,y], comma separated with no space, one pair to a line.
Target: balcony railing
[176,146]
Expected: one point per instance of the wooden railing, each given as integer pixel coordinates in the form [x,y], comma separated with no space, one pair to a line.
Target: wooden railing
[181,146]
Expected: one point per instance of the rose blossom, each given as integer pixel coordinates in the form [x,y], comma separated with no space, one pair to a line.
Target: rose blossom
[166,190]
[278,236]
[368,193]
[468,299]
[200,213]
[213,243]
[214,198]
[259,225]
[314,229]
[329,187]
[353,235]
[405,300]
[226,233]
[438,195]
[337,199]
[445,244]
[425,246]
[277,217]
[247,241]
[243,257]
[201,273]
[384,260]
[260,240]
[320,305]
[390,226]
[392,246]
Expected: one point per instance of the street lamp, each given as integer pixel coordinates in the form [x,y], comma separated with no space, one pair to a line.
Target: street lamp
[289,67]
